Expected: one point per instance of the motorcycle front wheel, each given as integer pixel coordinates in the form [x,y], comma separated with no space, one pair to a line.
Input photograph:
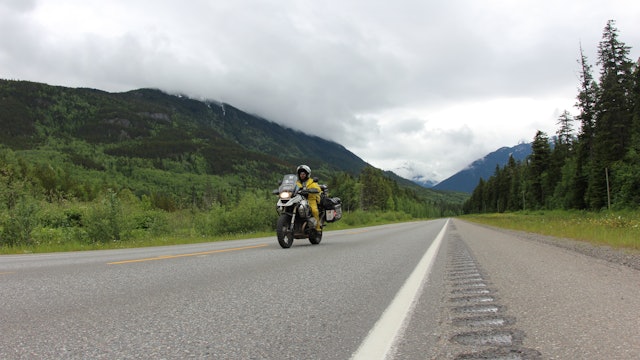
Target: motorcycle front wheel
[284,234]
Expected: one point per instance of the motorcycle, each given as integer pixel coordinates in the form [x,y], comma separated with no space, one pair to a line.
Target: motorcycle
[295,220]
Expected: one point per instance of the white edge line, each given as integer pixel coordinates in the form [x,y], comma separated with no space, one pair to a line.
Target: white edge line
[384,333]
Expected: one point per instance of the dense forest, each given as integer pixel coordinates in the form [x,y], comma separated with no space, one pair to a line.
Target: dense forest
[595,168]
[85,167]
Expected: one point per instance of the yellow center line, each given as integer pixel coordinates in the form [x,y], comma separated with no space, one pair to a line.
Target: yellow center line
[7,272]
[164,257]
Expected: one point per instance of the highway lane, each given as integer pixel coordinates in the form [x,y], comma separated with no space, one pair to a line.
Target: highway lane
[236,299]
[489,295]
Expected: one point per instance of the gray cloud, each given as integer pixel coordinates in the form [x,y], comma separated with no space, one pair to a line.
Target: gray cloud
[432,85]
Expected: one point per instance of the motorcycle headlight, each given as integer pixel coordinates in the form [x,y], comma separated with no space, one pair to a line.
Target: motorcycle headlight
[285,195]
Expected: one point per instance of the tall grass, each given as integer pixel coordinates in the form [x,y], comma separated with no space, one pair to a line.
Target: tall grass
[615,229]
[115,222]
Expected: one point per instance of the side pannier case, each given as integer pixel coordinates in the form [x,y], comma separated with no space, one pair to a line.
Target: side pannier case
[333,209]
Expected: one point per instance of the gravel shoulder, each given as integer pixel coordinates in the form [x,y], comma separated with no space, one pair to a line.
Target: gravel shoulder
[567,299]
[618,256]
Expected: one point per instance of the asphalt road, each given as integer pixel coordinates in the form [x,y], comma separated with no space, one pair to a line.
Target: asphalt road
[484,294]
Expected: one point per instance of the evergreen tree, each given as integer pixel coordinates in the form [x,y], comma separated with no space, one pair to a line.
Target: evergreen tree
[376,191]
[502,186]
[491,192]
[562,148]
[565,131]
[347,188]
[475,204]
[538,166]
[613,116]
[566,191]
[515,186]
[612,135]
[635,97]
[626,180]
[586,105]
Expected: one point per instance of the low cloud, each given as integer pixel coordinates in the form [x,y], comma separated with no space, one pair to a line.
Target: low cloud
[434,85]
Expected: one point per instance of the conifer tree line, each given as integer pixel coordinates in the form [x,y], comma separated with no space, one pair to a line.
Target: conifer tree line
[593,167]
[374,191]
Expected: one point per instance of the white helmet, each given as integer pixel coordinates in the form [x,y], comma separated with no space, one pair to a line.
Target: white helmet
[304,168]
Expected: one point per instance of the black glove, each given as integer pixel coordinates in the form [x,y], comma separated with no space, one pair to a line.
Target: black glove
[303,192]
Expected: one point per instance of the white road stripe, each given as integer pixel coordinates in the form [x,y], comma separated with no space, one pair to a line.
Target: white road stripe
[391,324]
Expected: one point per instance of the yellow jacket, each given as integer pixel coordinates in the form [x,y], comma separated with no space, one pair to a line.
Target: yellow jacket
[313,197]
[309,184]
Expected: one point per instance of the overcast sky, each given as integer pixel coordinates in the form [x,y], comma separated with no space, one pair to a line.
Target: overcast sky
[419,87]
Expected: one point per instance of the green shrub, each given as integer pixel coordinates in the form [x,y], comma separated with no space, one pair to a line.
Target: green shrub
[19,224]
[252,213]
[103,222]
[209,223]
[152,221]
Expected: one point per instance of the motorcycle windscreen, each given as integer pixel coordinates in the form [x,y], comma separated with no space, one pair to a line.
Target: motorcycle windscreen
[288,183]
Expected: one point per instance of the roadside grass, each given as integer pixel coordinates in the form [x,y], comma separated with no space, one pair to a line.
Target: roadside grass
[182,231]
[50,247]
[614,229]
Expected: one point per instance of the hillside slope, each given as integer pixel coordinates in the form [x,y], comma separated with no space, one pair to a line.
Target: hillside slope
[151,124]
[150,137]
[467,179]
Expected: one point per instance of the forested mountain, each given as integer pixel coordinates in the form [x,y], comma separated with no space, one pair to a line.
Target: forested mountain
[87,166]
[467,179]
[93,128]
[597,169]
[210,137]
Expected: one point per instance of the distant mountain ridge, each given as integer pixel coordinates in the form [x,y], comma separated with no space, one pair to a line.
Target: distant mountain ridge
[98,130]
[151,124]
[467,179]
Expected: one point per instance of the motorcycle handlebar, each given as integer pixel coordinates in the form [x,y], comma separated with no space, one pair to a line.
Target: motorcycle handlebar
[308,191]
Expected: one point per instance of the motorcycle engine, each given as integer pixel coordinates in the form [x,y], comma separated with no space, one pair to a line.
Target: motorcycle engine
[303,210]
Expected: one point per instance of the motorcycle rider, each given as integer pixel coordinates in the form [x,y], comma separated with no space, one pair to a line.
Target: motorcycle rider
[305,182]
